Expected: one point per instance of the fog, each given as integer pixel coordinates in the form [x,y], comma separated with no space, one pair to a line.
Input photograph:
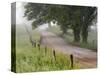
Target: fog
[20,20]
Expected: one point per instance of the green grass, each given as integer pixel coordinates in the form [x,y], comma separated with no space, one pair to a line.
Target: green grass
[38,60]
[92,38]
[29,58]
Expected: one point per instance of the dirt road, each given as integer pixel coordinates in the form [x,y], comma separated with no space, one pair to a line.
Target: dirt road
[86,57]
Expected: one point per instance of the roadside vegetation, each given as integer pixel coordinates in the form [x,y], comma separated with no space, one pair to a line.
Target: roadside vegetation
[30,58]
[68,37]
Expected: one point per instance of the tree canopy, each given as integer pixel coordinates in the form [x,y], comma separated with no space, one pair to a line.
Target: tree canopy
[77,18]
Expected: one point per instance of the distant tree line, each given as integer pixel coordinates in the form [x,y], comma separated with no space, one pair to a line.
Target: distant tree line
[77,18]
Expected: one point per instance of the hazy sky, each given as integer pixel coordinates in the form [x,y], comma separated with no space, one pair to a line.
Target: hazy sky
[20,20]
[20,13]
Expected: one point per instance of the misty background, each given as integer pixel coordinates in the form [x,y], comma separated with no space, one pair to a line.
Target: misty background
[21,20]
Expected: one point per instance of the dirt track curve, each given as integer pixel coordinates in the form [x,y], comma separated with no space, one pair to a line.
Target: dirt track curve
[86,57]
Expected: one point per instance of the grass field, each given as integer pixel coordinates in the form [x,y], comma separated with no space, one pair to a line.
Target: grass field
[92,38]
[29,58]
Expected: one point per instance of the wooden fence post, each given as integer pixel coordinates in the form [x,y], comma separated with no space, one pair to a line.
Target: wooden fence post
[45,50]
[54,54]
[34,44]
[71,60]
[38,46]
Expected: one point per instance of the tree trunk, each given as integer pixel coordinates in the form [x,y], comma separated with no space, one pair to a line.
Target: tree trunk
[84,34]
[76,35]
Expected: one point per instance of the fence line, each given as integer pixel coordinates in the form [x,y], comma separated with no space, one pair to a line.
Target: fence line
[54,55]
[71,60]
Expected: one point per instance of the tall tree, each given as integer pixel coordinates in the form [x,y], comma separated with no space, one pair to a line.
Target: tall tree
[88,15]
[77,18]
[75,22]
